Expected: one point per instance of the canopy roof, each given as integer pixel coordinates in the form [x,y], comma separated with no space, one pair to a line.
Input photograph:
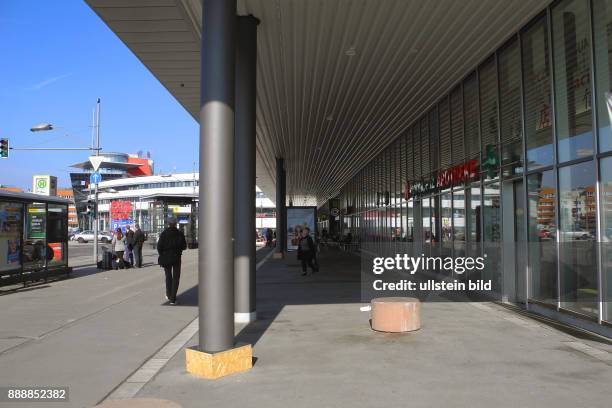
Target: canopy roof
[338,80]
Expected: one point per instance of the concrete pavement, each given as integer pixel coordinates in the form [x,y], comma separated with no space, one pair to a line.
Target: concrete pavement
[312,344]
[314,348]
[93,330]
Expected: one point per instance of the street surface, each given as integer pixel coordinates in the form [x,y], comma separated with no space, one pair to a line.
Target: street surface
[91,331]
[313,347]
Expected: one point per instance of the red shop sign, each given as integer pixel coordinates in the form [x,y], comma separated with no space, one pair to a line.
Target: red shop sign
[458,174]
[120,210]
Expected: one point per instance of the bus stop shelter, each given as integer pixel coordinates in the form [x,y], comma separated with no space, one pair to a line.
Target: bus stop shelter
[33,237]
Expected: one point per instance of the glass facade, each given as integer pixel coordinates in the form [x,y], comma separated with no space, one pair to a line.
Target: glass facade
[572,72]
[537,94]
[533,120]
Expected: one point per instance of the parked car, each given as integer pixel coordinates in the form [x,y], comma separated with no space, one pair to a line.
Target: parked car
[87,236]
[579,234]
[72,232]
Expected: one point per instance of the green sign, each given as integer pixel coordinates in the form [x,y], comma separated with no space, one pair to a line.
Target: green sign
[36,223]
[490,162]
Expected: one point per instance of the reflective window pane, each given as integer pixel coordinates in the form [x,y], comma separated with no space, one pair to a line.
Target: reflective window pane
[536,79]
[434,142]
[492,223]
[470,106]
[426,220]
[474,214]
[606,232]
[542,236]
[57,234]
[446,201]
[577,255]
[488,118]
[602,30]
[424,155]
[456,98]
[459,215]
[492,214]
[572,65]
[445,136]
[510,109]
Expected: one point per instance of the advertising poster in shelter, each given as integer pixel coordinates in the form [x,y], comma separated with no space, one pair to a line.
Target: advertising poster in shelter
[37,227]
[299,218]
[10,235]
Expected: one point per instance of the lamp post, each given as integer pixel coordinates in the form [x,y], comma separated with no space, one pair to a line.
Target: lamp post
[44,127]
[96,222]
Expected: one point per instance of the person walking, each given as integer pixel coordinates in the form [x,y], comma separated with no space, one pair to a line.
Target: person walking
[307,252]
[269,237]
[139,239]
[118,246]
[170,248]
[129,241]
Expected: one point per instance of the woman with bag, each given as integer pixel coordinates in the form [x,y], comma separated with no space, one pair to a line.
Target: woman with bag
[118,246]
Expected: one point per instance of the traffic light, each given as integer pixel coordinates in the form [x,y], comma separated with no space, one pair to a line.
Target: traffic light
[4,148]
[91,208]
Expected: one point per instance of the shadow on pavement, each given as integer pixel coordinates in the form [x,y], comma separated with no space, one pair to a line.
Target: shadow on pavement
[190,296]
[280,283]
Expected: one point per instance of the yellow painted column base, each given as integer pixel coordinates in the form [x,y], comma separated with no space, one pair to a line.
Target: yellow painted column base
[217,365]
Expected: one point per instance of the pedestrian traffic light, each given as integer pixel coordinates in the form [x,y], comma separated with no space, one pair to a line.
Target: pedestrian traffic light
[91,208]
[4,148]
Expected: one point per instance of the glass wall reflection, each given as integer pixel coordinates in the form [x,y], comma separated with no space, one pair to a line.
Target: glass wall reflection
[577,254]
[542,232]
[572,66]
[606,234]
[536,79]
[602,34]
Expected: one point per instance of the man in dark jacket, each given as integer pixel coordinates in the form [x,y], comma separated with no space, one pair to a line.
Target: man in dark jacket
[139,239]
[170,247]
[129,243]
[307,252]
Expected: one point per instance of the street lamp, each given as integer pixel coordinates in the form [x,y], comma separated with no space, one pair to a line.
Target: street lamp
[41,127]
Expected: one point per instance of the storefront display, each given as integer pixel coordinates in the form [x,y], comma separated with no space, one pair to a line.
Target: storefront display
[505,164]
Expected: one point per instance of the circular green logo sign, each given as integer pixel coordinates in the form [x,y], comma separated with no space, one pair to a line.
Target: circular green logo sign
[41,183]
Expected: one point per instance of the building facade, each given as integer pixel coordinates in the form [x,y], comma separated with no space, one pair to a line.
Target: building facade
[150,200]
[68,194]
[516,158]
[114,166]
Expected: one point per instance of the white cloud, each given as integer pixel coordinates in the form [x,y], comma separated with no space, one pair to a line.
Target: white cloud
[48,81]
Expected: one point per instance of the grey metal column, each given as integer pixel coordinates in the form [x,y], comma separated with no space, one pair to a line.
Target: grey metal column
[281,228]
[216,212]
[244,172]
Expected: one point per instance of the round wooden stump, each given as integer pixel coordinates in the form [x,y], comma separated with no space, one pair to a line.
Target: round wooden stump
[396,314]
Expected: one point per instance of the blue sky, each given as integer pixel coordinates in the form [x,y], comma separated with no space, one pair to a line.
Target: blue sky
[58,57]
